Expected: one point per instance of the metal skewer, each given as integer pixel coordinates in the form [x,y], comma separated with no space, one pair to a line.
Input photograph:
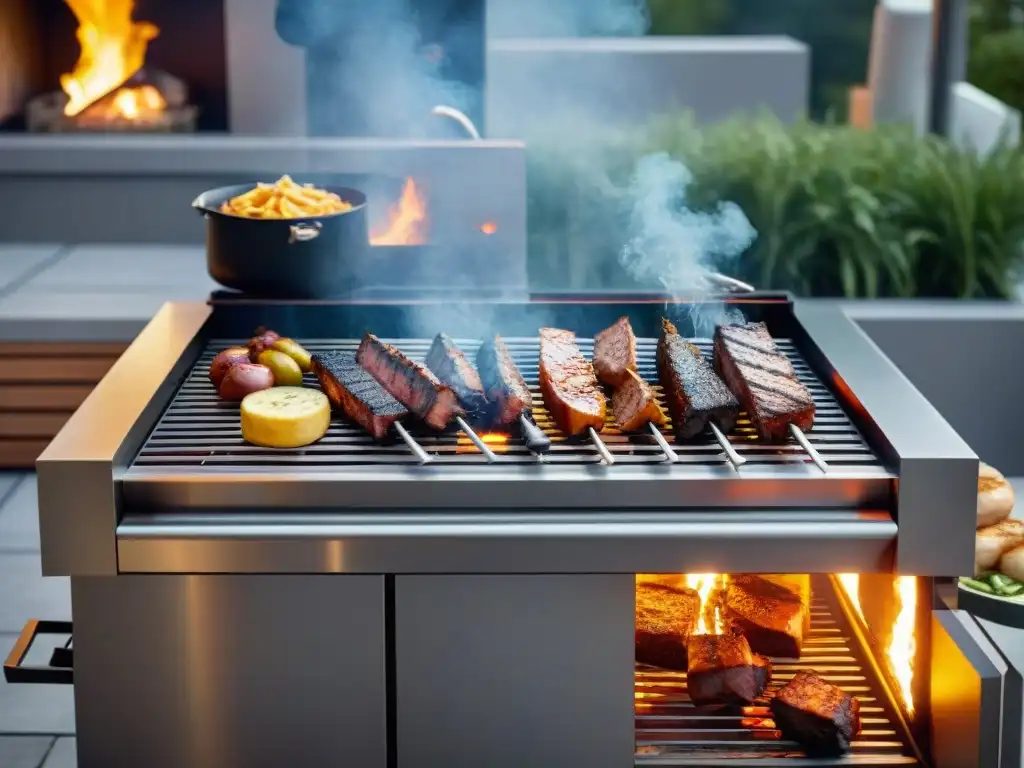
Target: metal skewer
[422,455]
[801,438]
[602,449]
[475,438]
[659,438]
[735,459]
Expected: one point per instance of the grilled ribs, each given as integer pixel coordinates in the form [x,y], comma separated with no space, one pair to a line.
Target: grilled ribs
[665,617]
[763,380]
[820,717]
[771,617]
[720,670]
[356,393]
[451,367]
[567,381]
[615,353]
[634,404]
[503,384]
[409,383]
[693,391]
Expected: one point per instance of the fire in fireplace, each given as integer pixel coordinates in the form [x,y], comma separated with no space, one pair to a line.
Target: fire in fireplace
[407,222]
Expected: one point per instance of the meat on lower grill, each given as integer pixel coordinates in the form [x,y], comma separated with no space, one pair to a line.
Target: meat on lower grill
[409,383]
[762,673]
[773,618]
[634,405]
[615,353]
[820,717]
[720,670]
[693,391]
[450,365]
[567,381]
[503,384]
[763,380]
[356,393]
[665,617]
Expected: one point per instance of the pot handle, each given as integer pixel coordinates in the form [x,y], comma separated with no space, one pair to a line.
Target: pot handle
[197,204]
[301,233]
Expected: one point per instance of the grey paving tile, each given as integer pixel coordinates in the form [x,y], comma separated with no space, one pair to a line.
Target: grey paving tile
[63,754]
[24,751]
[16,259]
[35,709]
[19,517]
[25,594]
[7,482]
[85,307]
[108,268]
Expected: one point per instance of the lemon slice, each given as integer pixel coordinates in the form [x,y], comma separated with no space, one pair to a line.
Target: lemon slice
[285,417]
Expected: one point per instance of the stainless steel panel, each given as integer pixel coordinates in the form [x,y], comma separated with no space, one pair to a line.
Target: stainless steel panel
[78,472]
[514,671]
[1009,641]
[229,671]
[966,693]
[292,541]
[938,472]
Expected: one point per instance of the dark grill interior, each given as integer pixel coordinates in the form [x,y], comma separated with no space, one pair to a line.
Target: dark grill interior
[198,429]
[670,730]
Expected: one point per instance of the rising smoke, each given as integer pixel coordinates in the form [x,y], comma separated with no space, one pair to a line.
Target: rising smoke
[566,18]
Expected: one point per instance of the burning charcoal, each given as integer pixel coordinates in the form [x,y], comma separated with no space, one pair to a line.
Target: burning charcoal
[771,617]
[665,617]
[817,715]
[720,670]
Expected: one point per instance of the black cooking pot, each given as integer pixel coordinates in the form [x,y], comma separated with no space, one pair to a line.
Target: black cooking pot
[308,258]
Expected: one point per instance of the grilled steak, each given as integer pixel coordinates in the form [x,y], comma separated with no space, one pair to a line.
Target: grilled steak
[567,381]
[665,617]
[615,353]
[409,383]
[694,393]
[763,380]
[450,365]
[503,383]
[771,617]
[817,715]
[720,670]
[356,393]
[762,673]
[634,404]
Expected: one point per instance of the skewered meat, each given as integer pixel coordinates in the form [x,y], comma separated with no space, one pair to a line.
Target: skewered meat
[995,496]
[567,381]
[665,617]
[720,670]
[694,393]
[991,543]
[503,383]
[762,673]
[763,380]
[634,404]
[450,365]
[356,392]
[820,717]
[771,617]
[615,353]
[409,383]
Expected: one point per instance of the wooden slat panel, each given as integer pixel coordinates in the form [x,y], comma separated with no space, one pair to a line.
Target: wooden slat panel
[66,370]
[41,397]
[20,454]
[32,425]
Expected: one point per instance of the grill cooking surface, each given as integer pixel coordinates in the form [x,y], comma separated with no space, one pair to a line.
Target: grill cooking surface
[670,730]
[200,430]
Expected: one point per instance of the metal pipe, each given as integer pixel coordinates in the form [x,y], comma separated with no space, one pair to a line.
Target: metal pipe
[458,116]
[666,448]
[602,449]
[949,53]
[416,448]
[475,438]
[801,438]
[735,459]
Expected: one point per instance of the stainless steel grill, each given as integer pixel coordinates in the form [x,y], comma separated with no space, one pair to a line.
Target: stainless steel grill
[671,730]
[200,430]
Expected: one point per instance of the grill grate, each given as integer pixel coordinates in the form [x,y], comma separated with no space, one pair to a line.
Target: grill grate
[198,429]
[670,730]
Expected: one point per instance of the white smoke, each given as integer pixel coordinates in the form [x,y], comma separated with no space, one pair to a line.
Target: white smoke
[566,18]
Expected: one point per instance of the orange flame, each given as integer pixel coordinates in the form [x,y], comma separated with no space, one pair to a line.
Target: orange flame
[851,586]
[113,48]
[488,227]
[903,643]
[705,585]
[494,438]
[407,219]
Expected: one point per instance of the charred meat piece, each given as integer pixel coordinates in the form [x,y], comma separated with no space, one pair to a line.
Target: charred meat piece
[615,353]
[665,617]
[694,393]
[817,715]
[763,380]
[503,384]
[634,405]
[356,393]
[771,617]
[720,670]
[571,392]
[409,383]
[450,365]
[762,673]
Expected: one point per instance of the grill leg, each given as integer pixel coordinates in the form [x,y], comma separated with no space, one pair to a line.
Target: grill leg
[514,671]
[229,671]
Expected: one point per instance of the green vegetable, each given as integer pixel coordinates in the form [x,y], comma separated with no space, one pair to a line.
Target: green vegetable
[978,586]
[1000,583]
[1014,589]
